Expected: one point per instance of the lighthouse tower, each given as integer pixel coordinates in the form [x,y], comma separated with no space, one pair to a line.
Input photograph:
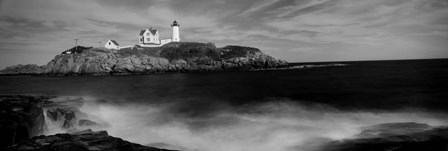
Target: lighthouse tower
[176,35]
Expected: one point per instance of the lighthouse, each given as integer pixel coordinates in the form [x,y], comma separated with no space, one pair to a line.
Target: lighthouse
[149,37]
[176,35]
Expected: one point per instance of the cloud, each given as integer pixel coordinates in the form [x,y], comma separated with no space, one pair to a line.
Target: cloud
[19,28]
[129,4]
[359,22]
[345,24]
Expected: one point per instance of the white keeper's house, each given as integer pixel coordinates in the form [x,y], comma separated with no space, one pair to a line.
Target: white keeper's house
[149,37]
[112,44]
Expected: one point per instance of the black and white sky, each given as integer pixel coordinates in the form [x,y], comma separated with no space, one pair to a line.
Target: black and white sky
[34,31]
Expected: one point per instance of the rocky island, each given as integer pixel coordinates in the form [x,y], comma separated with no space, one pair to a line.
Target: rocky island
[172,57]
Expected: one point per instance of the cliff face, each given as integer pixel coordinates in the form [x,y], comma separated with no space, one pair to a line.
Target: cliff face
[173,57]
[101,61]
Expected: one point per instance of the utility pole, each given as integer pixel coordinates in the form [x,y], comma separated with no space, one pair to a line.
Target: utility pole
[76,43]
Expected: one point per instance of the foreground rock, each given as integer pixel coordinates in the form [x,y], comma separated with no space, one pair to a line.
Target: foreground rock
[395,137]
[87,140]
[172,57]
[21,117]
[63,114]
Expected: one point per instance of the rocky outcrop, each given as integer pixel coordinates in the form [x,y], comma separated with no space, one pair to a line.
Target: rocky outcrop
[86,140]
[67,117]
[29,69]
[23,120]
[172,57]
[394,137]
[21,117]
[63,114]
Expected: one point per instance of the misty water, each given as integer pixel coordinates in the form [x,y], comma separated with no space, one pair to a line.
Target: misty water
[276,110]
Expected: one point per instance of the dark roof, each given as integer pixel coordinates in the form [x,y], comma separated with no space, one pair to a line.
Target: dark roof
[152,30]
[115,42]
[142,32]
[77,49]
[175,23]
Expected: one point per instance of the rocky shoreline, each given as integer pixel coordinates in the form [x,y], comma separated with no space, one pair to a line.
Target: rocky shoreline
[86,140]
[172,57]
[24,126]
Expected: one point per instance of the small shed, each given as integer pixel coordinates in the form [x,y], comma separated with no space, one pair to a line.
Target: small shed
[112,44]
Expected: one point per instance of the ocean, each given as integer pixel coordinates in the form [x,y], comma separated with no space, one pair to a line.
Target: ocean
[276,110]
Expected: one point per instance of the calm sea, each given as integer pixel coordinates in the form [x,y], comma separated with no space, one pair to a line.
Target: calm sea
[367,84]
[275,110]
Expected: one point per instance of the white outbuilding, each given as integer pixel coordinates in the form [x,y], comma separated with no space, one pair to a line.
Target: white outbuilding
[112,44]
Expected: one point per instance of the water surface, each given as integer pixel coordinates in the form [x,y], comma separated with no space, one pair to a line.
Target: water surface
[259,110]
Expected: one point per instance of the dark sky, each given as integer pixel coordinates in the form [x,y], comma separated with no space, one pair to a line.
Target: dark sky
[34,31]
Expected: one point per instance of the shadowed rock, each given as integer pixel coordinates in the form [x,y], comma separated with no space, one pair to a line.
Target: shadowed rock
[21,117]
[64,112]
[86,140]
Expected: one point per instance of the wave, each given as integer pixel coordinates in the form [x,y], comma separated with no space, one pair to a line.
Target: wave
[278,125]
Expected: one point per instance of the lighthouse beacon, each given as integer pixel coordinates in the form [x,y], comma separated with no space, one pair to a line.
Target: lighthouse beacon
[176,36]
